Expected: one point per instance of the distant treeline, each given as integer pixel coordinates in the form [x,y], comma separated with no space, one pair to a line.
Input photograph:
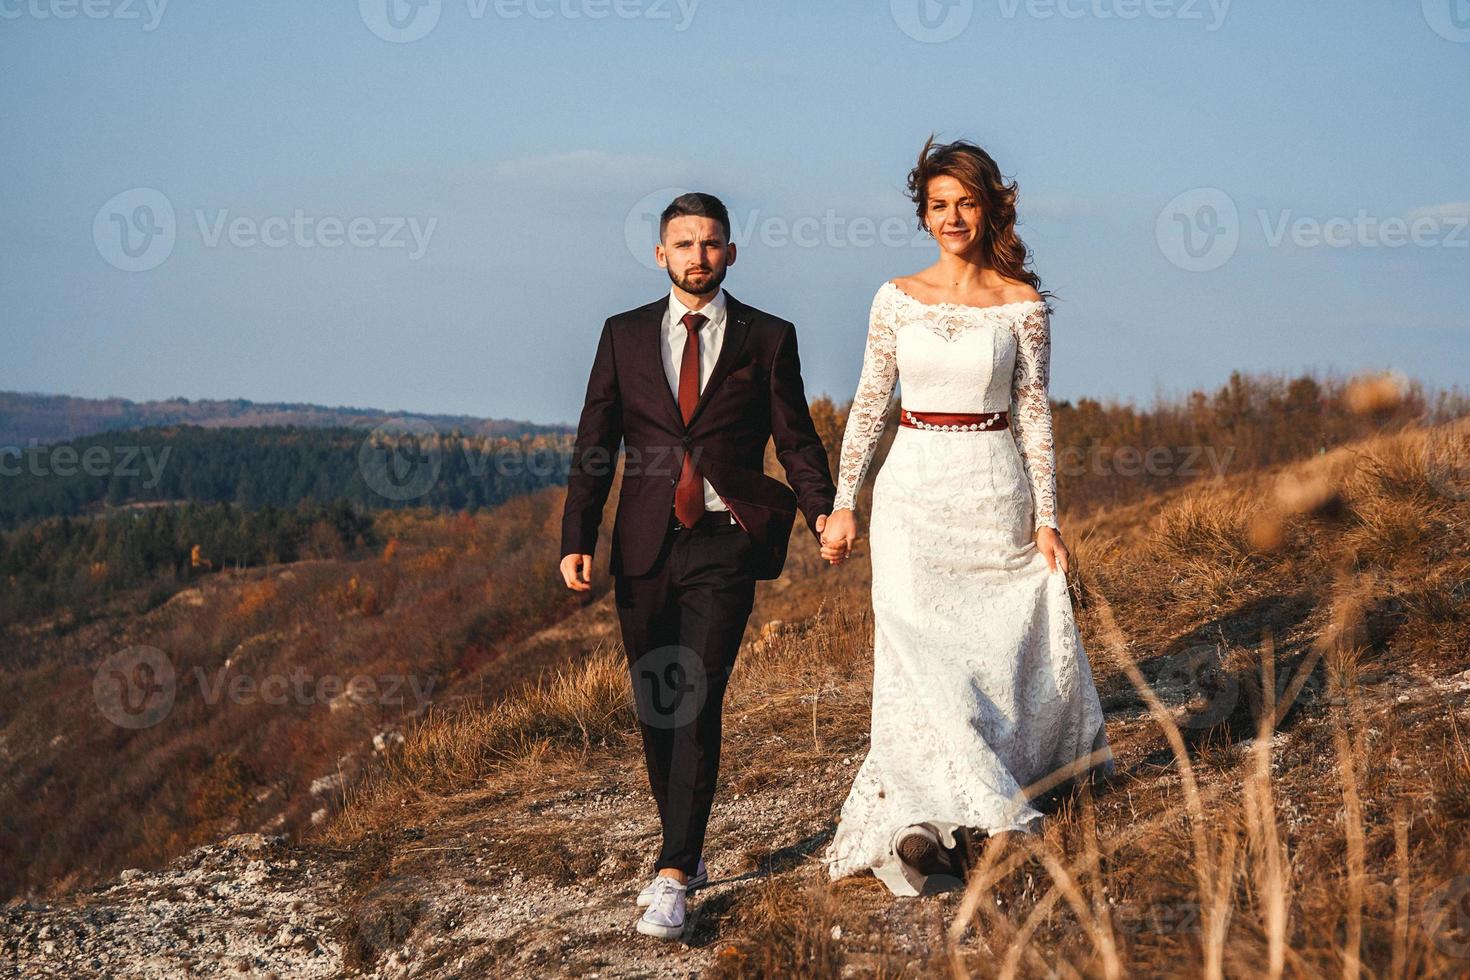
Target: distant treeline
[64,563]
[261,466]
[27,417]
[1111,453]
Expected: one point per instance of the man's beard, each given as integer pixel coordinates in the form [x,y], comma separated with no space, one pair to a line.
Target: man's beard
[713,281]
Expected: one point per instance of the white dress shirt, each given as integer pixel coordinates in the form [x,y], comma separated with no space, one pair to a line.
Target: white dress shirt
[711,336]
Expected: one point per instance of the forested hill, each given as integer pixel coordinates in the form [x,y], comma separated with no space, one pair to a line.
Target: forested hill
[28,418]
[388,467]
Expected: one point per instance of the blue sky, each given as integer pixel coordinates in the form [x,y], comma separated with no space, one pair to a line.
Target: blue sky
[1261,186]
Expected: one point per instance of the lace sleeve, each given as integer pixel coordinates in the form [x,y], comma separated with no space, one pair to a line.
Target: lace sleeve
[1031,411]
[869,410]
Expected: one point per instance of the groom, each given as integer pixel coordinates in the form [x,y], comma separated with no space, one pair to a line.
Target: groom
[694,383]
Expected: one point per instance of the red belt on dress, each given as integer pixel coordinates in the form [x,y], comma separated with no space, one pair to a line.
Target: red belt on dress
[953,421]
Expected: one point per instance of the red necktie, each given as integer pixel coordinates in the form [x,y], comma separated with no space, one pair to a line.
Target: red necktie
[689,495]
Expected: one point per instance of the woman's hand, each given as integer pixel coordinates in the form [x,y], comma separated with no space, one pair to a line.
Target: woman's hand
[838,535]
[1049,543]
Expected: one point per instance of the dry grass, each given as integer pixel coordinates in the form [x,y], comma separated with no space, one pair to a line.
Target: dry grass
[1313,830]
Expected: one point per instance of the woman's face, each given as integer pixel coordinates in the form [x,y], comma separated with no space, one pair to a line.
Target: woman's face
[953,215]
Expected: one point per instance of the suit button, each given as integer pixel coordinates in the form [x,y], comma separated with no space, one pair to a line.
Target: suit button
[685,440]
[673,483]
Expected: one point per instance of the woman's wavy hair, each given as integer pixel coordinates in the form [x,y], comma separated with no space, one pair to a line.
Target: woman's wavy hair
[967,163]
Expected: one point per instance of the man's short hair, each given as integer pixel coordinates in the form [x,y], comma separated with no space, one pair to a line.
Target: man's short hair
[697,205]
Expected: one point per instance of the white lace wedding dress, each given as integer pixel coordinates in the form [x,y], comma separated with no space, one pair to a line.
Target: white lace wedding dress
[980,683]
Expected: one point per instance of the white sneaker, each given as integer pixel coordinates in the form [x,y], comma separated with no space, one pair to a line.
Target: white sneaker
[664,916]
[700,879]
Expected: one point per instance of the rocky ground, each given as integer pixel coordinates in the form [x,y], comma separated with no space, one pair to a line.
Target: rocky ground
[444,901]
[464,892]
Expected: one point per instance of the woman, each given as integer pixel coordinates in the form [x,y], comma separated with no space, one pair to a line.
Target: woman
[981,688]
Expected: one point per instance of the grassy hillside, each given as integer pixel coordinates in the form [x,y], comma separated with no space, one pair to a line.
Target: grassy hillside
[486,752]
[1284,658]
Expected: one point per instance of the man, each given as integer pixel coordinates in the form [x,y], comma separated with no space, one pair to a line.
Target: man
[695,383]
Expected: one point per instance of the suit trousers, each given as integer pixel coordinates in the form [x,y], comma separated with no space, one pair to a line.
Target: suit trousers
[681,623]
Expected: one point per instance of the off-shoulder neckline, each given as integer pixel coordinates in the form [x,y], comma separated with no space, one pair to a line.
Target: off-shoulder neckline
[962,306]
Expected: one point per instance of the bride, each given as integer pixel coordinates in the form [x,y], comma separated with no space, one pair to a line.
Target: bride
[981,688]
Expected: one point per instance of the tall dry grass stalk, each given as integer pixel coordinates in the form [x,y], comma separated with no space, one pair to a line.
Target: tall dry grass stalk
[1219,865]
[1260,820]
[1206,857]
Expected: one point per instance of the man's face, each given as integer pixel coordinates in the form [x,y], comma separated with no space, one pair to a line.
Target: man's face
[695,253]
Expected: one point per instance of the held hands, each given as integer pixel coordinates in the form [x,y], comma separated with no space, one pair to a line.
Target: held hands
[1049,543]
[576,571]
[838,531]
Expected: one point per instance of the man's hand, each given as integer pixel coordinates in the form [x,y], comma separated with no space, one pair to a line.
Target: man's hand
[576,570]
[839,531]
[1049,543]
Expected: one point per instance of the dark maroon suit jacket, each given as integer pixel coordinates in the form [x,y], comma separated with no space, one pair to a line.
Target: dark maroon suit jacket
[754,393]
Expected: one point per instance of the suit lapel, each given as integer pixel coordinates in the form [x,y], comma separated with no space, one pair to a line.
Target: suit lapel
[737,328]
[653,347]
